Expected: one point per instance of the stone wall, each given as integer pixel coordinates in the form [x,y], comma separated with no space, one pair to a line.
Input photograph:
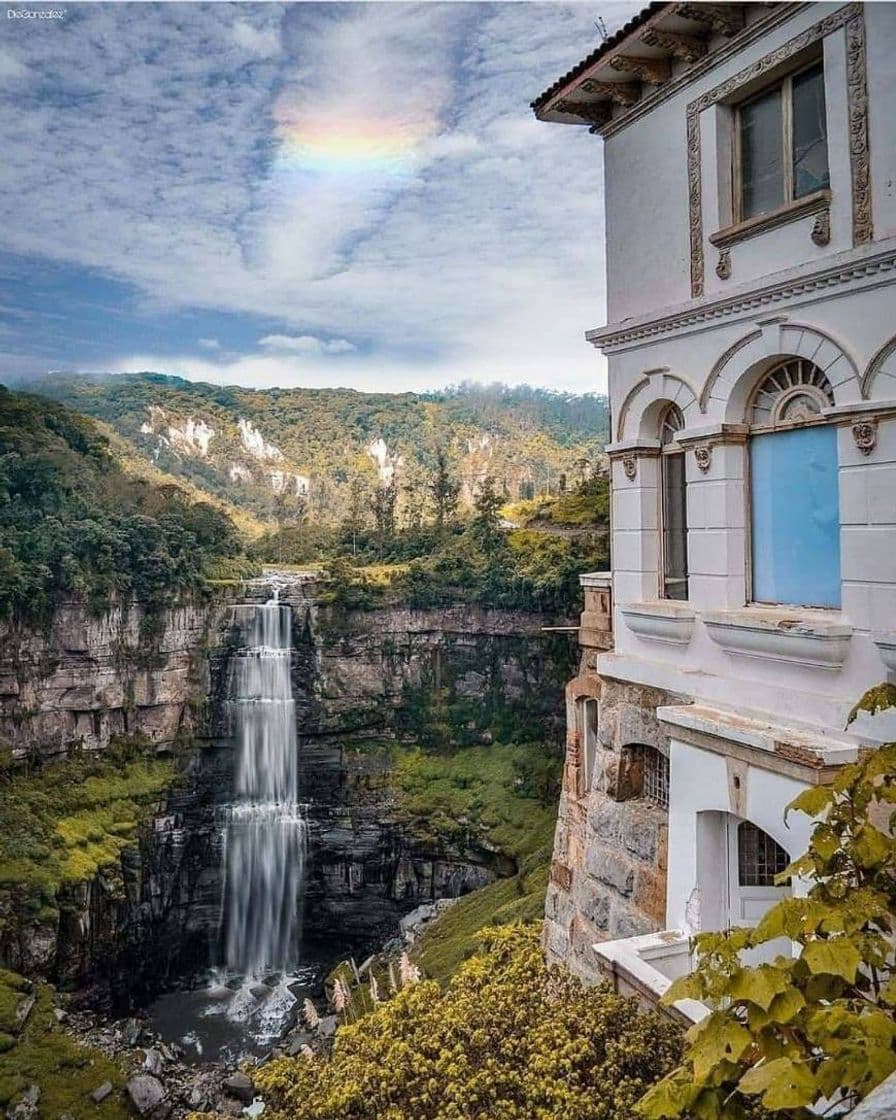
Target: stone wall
[608,877]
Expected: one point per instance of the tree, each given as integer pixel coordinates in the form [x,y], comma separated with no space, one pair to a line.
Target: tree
[813,1033]
[486,517]
[445,490]
[383,504]
[506,1038]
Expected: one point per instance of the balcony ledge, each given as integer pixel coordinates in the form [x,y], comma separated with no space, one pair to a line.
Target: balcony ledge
[886,647]
[795,637]
[660,621]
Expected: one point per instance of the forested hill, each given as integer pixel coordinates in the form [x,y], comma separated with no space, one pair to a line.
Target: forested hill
[330,451]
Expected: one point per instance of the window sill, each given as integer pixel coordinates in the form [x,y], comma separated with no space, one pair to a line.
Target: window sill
[798,637]
[886,647]
[660,621]
[791,212]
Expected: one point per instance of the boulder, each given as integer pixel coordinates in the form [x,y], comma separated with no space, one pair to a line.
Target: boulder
[100,1093]
[26,1106]
[146,1092]
[239,1085]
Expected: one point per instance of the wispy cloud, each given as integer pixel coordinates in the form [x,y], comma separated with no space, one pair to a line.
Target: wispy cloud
[335,171]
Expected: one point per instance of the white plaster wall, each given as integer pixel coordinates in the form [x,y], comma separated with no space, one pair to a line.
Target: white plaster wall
[698,782]
[646,182]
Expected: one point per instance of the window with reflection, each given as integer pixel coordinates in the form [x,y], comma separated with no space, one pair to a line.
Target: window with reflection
[674,507]
[782,145]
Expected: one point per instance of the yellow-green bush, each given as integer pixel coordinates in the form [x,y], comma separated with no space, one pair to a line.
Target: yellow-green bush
[506,1039]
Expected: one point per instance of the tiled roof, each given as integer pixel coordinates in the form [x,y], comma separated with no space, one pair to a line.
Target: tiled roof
[614,40]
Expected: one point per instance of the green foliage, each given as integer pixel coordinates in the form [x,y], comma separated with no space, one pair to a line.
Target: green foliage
[505,1039]
[523,437]
[819,1026]
[39,1052]
[71,520]
[588,504]
[64,822]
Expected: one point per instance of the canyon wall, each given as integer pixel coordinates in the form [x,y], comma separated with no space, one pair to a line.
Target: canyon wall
[362,680]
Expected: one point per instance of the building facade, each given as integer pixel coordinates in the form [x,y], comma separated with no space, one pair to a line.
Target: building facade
[750,186]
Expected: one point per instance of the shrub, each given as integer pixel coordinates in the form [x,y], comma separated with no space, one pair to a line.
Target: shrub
[506,1039]
[815,1032]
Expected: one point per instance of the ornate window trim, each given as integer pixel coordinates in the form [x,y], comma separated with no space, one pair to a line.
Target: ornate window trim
[783,386]
[852,18]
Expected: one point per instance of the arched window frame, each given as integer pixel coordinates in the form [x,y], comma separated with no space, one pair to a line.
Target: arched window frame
[673,567]
[790,395]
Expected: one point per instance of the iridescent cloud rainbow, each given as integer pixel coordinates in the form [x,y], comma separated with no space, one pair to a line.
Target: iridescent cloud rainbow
[350,147]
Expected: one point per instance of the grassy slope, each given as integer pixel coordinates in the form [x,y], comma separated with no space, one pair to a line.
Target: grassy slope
[505,794]
[40,1053]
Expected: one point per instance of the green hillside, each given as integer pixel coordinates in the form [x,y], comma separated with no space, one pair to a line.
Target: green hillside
[322,455]
[74,520]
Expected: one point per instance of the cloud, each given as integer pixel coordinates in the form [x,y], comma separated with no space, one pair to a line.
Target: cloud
[11,69]
[378,175]
[305,344]
[255,40]
[209,343]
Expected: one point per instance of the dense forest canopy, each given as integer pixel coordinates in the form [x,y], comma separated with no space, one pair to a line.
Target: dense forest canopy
[73,521]
[328,451]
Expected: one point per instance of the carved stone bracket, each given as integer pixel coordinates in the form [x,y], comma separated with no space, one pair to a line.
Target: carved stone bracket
[687,48]
[727,19]
[703,455]
[596,113]
[723,268]
[630,465]
[653,71]
[865,434]
[821,230]
[621,93]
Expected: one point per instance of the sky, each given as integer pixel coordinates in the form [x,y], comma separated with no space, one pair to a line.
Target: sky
[340,194]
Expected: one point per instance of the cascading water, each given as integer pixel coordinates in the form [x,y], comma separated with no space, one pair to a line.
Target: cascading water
[265,833]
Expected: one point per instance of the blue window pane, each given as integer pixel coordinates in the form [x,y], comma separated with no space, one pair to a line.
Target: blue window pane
[796,517]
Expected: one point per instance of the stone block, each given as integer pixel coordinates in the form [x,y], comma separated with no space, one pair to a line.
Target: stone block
[556,941]
[611,869]
[626,921]
[638,724]
[604,821]
[650,895]
[593,902]
[641,830]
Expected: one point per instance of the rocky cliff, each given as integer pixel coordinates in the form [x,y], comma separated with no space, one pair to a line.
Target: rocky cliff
[362,681]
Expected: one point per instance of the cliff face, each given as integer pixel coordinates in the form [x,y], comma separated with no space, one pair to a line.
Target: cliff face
[361,680]
[87,677]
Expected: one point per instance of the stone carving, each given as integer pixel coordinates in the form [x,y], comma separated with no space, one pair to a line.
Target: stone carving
[688,48]
[703,455]
[595,112]
[723,268]
[622,93]
[859,153]
[850,16]
[653,71]
[821,230]
[726,19]
[630,466]
[865,435]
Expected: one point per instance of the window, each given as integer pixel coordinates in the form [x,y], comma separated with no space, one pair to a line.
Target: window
[655,777]
[794,490]
[759,857]
[588,721]
[674,511]
[782,144]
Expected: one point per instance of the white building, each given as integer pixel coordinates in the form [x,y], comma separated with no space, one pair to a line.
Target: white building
[750,181]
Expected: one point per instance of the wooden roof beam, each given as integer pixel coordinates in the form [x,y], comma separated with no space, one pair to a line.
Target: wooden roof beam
[685,48]
[726,19]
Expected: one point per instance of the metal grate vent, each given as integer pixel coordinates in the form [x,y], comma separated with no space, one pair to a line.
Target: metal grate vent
[655,777]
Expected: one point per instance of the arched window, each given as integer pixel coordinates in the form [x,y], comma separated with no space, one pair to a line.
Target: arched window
[587,717]
[674,508]
[794,490]
[644,773]
[760,858]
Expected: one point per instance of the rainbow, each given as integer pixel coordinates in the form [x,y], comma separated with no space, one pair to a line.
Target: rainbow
[356,147]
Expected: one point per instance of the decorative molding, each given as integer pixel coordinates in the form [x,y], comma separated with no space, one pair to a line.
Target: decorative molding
[864,432]
[790,212]
[875,365]
[821,230]
[666,621]
[825,279]
[723,268]
[703,455]
[859,150]
[847,16]
[630,465]
[685,48]
[620,93]
[777,14]
[777,636]
[726,19]
[653,71]
[595,113]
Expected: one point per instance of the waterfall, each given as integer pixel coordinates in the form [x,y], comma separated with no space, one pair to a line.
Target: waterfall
[265,840]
